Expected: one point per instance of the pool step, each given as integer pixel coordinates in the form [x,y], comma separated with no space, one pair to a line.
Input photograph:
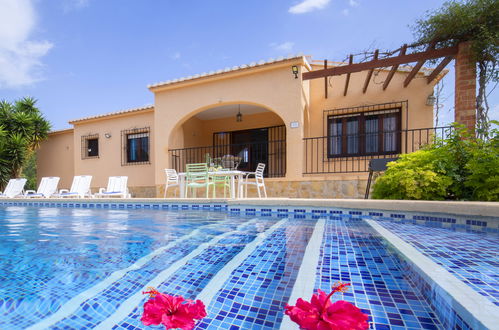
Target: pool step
[197,273]
[126,281]
[355,253]
[305,281]
[452,298]
[254,294]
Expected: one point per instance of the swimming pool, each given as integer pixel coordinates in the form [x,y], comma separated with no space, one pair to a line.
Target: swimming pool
[85,265]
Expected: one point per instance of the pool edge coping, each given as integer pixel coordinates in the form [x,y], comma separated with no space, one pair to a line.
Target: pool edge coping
[476,310]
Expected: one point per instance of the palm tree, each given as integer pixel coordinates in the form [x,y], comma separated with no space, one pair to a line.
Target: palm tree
[22,128]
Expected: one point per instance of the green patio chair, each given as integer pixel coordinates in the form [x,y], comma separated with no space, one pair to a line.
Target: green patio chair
[196,176]
[220,181]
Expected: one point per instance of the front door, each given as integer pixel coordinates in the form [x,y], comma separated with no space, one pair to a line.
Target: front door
[252,146]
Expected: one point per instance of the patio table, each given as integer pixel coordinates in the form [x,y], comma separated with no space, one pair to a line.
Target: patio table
[232,174]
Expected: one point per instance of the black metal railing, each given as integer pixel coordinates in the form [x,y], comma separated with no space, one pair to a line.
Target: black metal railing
[243,156]
[352,153]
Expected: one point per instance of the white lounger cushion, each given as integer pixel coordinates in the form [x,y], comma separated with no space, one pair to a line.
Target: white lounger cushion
[116,186]
[79,188]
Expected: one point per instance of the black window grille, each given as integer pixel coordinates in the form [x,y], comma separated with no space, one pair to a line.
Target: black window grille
[90,146]
[135,146]
[364,133]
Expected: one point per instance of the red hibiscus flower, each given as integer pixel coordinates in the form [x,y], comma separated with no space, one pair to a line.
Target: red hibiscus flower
[173,312]
[322,314]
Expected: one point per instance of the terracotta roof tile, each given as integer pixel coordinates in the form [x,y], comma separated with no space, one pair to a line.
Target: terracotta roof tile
[146,107]
[229,69]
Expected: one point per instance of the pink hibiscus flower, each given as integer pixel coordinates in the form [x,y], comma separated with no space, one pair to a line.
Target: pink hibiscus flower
[322,314]
[173,312]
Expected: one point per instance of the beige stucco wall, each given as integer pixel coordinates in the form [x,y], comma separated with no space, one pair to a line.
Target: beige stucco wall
[420,114]
[109,161]
[55,157]
[272,87]
[199,132]
[417,114]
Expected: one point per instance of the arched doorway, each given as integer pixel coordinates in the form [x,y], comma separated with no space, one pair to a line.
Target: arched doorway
[234,136]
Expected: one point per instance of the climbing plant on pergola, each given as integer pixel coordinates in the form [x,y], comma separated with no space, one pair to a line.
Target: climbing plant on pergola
[475,21]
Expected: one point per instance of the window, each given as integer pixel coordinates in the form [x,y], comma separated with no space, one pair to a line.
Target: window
[135,146]
[367,133]
[90,146]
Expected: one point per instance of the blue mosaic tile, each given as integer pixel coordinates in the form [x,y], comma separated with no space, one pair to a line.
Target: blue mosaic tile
[187,281]
[115,235]
[471,257]
[255,294]
[54,280]
[196,274]
[352,252]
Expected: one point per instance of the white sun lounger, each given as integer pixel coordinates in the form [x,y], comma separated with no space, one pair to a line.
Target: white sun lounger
[116,187]
[46,188]
[80,188]
[14,188]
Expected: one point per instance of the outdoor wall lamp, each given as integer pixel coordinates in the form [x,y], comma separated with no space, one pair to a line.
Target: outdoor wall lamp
[239,116]
[107,135]
[294,68]
[430,100]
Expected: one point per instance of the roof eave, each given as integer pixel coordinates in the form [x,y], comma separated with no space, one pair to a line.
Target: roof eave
[229,73]
[117,114]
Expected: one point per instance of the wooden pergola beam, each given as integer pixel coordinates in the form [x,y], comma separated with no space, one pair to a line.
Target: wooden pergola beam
[347,81]
[380,63]
[417,67]
[394,69]
[370,73]
[439,68]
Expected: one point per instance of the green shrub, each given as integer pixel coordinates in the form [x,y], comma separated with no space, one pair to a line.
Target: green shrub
[483,168]
[413,176]
[460,167]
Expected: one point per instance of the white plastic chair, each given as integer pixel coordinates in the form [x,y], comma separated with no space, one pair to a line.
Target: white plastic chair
[46,188]
[14,188]
[259,183]
[171,180]
[116,186]
[80,188]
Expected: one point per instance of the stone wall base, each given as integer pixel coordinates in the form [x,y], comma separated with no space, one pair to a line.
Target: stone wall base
[143,192]
[355,188]
[351,188]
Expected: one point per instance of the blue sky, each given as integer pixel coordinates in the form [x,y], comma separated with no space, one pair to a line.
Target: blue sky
[86,57]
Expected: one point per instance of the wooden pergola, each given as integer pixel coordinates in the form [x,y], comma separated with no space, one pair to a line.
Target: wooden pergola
[393,62]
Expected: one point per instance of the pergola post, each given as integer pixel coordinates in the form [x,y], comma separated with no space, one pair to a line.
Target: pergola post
[465,87]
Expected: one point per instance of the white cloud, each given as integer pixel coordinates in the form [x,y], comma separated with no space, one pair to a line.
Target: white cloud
[308,5]
[345,12]
[176,56]
[353,3]
[285,46]
[19,55]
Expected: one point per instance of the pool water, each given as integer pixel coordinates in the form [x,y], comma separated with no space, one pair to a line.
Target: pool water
[66,268]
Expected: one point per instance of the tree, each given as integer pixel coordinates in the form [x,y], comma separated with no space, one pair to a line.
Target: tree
[22,128]
[476,21]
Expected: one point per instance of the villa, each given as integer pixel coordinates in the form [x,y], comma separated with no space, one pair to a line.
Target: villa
[315,135]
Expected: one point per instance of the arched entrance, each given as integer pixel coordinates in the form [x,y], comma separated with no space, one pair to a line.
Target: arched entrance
[236,135]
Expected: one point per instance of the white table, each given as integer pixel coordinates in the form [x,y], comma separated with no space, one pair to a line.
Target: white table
[231,174]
